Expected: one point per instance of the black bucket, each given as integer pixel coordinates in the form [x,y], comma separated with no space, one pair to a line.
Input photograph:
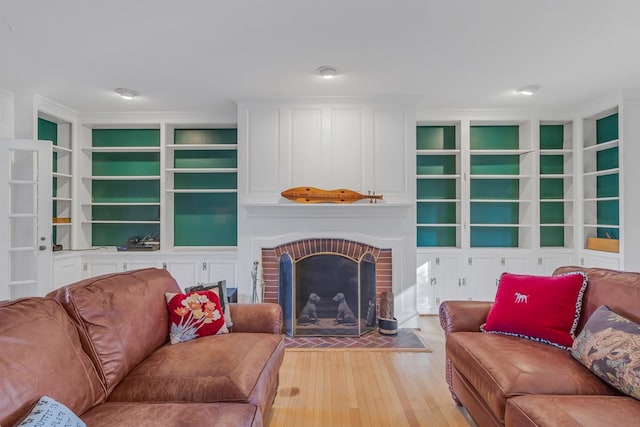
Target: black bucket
[388,326]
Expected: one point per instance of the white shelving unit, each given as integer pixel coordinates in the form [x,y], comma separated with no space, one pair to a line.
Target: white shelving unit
[198,176]
[557,176]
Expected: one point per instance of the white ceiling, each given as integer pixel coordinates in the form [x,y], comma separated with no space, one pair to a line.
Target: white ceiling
[196,55]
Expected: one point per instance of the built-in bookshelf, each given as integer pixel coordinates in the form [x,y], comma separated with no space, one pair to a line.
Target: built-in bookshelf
[601,176]
[438,165]
[202,186]
[60,136]
[500,172]
[125,185]
[556,208]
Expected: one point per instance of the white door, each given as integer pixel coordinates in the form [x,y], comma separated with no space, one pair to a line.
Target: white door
[25,235]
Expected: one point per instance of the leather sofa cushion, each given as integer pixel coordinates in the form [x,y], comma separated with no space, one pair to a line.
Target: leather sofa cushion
[123,317]
[572,411]
[124,414]
[618,290]
[41,354]
[499,367]
[235,367]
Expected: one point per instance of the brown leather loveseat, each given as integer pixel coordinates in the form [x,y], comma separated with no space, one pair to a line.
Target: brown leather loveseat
[512,381]
[100,347]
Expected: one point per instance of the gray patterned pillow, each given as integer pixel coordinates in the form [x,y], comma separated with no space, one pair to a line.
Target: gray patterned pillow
[49,413]
[609,345]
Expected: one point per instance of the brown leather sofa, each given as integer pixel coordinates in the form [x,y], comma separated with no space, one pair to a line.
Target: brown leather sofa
[100,347]
[512,381]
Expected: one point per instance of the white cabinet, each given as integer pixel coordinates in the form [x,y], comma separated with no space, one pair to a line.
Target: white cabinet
[188,268]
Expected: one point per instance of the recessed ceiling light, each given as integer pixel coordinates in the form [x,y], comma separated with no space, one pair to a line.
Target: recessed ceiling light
[528,90]
[327,72]
[126,93]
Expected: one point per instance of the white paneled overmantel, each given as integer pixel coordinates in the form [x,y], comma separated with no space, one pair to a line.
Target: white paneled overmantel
[358,144]
[363,145]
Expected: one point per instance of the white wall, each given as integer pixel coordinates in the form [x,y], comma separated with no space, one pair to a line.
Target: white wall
[6,114]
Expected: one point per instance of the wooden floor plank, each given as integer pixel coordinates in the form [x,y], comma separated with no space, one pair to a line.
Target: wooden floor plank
[367,388]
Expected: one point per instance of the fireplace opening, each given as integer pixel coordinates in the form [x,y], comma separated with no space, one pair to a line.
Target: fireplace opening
[328,294]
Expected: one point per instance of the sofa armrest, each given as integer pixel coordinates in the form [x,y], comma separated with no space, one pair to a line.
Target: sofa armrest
[262,317]
[463,316]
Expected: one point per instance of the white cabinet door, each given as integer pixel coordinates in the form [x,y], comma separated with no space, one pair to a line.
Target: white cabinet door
[426,284]
[67,269]
[97,267]
[146,261]
[25,232]
[447,279]
[595,261]
[481,277]
[214,271]
[186,272]
[546,264]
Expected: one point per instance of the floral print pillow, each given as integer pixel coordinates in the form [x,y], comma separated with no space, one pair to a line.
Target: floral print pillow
[194,315]
[609,345]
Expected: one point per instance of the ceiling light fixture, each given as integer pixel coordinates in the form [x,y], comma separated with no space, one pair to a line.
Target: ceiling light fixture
[327,72]
[528,90]
[126,93]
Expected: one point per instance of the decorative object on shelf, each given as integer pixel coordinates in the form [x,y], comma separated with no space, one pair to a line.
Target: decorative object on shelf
[135,243]
[61,220]
[606,244]
[317,195]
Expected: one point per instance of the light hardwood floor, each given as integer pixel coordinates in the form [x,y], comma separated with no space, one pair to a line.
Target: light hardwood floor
[342,388]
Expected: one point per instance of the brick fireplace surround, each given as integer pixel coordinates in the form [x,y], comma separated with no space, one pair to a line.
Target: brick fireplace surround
[302,248]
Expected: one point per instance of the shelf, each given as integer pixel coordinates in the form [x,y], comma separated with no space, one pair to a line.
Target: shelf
[202,190]
[119,149]
[500,225]
[22,249]
[61,175]
[602,146]
[61,224]
[62,199]
[122,204]
[437,152]
[500,176]
[500,201]
[120,222]
[438,200]
[202,170]
[202,146]
[22,182]
[437,224]
[498,152]
[601,226]
[600,199]
[555,176]
[59,149]
[554,152]
[440,176]
[602,172]
[124,178]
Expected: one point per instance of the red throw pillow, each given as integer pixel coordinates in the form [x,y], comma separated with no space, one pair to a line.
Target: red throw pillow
[194,315]
[545,309]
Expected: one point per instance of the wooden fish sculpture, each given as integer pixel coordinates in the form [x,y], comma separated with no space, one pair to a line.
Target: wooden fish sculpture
[317,195]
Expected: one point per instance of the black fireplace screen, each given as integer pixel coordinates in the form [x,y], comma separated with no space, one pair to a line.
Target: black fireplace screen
[328,294]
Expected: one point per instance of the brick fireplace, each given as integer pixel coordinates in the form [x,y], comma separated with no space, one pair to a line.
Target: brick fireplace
[344,251]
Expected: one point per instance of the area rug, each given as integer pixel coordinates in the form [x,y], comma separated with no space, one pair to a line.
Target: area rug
[405,340]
